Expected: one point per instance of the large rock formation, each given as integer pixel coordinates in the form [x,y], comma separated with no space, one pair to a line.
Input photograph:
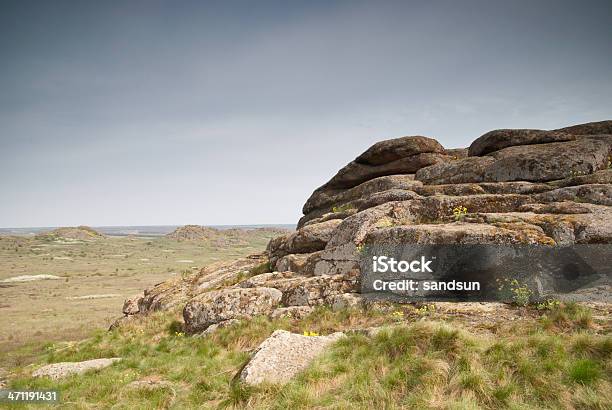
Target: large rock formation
[517,187]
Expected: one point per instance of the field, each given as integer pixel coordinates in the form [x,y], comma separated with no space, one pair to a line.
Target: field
[95,276]
[439,356]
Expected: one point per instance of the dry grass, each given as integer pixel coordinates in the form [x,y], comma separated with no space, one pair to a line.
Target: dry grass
[33,313]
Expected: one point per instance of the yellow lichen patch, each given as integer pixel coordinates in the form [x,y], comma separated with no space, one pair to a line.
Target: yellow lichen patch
[527,232]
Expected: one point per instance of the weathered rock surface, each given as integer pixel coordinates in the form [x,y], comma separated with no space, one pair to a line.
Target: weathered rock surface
[216,306]
[457,153]
[131,305]
[591,128]
[471,169]
[264,278]
[308,239]
[176,291]
[547,162]
[599,177]
[294,312]
[387,151]
[498,139]
[220,273]
[458,233]
[283,355]
[219,325]
[316,290]
[337,197]
[600,194]
[57,371]
[355,173]
[301,264]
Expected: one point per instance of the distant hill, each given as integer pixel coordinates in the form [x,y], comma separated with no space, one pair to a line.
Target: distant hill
[79,233]
[193,233]
[233,235]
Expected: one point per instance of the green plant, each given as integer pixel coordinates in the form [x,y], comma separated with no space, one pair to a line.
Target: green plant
[185,273]
[584,371]
[397,315]
[459,212]
[426,309]
[548,304]
[264,267]
[520,294]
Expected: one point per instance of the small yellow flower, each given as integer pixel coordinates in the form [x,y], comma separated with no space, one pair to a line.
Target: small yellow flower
[459,212]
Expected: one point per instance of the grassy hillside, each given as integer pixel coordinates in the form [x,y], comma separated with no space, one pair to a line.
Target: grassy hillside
[558,358]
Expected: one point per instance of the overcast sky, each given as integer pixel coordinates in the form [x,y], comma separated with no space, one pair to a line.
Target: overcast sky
[175,112]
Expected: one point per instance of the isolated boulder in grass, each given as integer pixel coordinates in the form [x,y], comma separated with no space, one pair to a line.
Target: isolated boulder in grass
[234,303]
[283,355]
[57,371]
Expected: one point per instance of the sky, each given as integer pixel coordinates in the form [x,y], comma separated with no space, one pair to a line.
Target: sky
[174,112]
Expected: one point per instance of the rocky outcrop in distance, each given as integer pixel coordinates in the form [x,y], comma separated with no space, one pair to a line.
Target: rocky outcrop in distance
[223,237]
[81,232]
[192,233]
[544,187]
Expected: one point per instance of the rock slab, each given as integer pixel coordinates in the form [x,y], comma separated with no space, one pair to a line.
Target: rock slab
[217,306]
[58,371]
[283,355]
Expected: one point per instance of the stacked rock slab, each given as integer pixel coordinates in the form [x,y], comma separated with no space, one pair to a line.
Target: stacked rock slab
[550,187]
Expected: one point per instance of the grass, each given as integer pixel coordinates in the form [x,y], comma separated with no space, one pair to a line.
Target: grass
[550,361]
